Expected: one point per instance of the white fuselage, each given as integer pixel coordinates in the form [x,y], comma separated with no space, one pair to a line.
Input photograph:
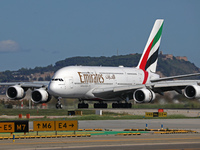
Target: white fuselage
[80,81]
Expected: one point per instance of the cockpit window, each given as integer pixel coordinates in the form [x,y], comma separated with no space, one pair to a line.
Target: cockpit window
[57,79]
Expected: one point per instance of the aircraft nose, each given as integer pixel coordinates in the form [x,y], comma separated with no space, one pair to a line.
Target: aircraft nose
[52,89]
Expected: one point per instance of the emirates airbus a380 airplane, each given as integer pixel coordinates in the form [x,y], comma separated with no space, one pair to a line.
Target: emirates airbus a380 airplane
[104,84]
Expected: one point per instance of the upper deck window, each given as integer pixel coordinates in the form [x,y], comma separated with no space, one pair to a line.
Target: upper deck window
[57,79]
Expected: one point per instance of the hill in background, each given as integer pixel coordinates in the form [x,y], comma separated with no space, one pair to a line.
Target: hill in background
[168,65]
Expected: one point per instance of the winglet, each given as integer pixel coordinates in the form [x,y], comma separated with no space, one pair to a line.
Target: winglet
[149,58]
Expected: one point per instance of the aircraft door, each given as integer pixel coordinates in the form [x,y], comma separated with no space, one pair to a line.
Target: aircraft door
[69,82]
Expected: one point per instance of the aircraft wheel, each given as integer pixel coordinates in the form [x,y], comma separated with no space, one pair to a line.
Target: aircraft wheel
[59,106]
[79,105]
[95,105]
[105,105]
[86,105]
[130,105]
[100,105]
[114,105]
[83,105]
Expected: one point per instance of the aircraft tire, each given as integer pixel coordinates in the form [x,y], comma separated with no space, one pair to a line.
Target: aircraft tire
[95,105]
[100,105]
[59,106]
[114,105]
[79,105]
[83,105]
[129,105]
[86,105]
[121,105]
[105,105]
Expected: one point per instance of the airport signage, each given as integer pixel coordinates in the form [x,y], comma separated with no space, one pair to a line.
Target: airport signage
[43,126]
[155,114]
[162,114]
[21,126]
[66,125]
[14,126]
[7,126]
[148,114]
[55,125]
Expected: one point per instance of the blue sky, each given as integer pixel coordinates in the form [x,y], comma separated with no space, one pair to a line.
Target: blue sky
[41,32]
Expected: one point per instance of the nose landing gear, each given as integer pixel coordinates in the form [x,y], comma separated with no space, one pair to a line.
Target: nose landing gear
[59,104]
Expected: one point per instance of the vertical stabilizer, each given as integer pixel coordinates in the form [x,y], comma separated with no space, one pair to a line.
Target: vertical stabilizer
[149,58]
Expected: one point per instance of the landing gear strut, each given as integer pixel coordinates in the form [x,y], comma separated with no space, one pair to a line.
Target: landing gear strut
[59,104]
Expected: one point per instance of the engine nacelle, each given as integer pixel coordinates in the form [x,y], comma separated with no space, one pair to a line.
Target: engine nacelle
[143,95]
[40,96]
[15,92]
[192,91]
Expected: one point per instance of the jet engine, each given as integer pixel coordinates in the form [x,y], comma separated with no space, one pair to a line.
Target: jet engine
[143,95]
[40,96]
[15,92]
[192,91]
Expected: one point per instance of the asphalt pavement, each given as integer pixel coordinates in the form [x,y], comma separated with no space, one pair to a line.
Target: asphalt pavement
[136,142]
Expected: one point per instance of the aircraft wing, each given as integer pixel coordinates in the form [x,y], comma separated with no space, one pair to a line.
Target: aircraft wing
[175,77]
[36,84]
[176,85]
[109,93]
[157,87]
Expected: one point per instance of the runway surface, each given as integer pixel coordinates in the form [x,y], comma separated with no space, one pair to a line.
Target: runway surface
[145,141]
[140,142]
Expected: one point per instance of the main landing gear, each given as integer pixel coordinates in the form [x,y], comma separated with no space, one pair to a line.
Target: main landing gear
[100,105]
[59,104]
[82,104]
[96,105]
[121,105]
